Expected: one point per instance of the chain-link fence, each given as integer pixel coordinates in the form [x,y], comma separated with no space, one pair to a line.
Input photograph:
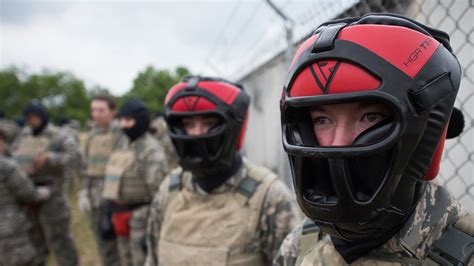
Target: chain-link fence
[454,17]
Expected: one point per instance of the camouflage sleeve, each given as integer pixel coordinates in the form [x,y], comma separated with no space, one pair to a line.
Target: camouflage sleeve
[84,180]
[279,217]
[154,224]
[155,168]
[64,152]
[14,146]
[18,183]
[288,252]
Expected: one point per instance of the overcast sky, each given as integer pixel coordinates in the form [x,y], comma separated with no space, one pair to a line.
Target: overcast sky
[107,42]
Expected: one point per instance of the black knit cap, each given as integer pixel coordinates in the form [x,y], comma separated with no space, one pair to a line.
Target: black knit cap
[39,110]
[137,110]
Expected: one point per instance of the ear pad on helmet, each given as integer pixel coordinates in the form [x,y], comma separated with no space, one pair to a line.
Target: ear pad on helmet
[456,124]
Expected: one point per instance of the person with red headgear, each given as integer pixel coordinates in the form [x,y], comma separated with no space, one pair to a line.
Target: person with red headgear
[365,112]
[217,208]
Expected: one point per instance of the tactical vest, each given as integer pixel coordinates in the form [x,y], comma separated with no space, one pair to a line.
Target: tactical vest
[123,181]
[213,229]
[99,148]
[454,247]
[30,147]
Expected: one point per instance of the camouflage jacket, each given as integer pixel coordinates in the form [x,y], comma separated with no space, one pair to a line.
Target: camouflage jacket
[62,151]
[119,139]
[150,164]
[15,188]
[160,132]
[9,128]
[435,211]
[278,215]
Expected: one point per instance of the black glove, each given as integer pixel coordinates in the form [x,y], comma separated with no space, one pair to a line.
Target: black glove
[106,228]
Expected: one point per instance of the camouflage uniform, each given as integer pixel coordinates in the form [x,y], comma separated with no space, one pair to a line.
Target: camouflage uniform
[131,184]
[434,214]
[9,128]
[276,216]
[51,219]
[92,183]
[15,245]
[160,132]
[71,172]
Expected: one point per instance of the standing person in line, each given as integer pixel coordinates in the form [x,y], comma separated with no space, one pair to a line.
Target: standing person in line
[101,140]
[133,174]
[365,113]
[16,189]
[159,130]
[70,127]
[43,152]
[219,208]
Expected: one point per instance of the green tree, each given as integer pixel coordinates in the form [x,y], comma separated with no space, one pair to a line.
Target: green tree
[151,86]
[11,95]
[61,92]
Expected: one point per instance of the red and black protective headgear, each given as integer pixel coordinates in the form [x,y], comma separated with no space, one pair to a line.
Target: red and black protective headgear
[197,95]
[367,189]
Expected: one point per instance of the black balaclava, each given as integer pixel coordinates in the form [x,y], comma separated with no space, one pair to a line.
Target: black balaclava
[63,120]
[137,110]
[219,177]
[39,110]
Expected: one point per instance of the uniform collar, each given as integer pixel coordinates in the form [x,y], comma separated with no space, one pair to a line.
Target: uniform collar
[45,132]
[113,126]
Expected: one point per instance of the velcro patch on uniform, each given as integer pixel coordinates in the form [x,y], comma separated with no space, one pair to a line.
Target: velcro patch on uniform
[111,178]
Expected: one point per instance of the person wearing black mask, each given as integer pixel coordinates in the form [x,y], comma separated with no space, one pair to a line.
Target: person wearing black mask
[133,174]
[217,208]
[44,152]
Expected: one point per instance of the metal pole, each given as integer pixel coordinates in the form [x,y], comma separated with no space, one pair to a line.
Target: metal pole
[289,26]
[284,168]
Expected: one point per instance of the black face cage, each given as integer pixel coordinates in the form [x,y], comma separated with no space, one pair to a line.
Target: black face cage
[218,145]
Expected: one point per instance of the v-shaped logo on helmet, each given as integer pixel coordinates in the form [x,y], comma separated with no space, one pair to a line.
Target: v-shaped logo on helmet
[191,102]
[324,73]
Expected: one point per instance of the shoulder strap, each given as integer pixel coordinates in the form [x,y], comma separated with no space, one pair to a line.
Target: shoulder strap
[309,235]
[90,135]
[456,245]
[255,176]
[175,182]
[175,186]
[248,186]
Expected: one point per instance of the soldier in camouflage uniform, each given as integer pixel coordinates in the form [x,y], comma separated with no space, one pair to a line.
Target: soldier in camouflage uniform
[365,113]
[133,174]
[71,174]
[219,208]
[15,188]
[101,140]
[42,151]
[10,129]
[159,130]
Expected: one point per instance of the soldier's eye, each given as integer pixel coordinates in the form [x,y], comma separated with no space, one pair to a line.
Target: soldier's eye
[320,120]
[373,117]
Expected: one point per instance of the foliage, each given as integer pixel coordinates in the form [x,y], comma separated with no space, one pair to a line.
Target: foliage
[61,92]
[151,86]
[66,95]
